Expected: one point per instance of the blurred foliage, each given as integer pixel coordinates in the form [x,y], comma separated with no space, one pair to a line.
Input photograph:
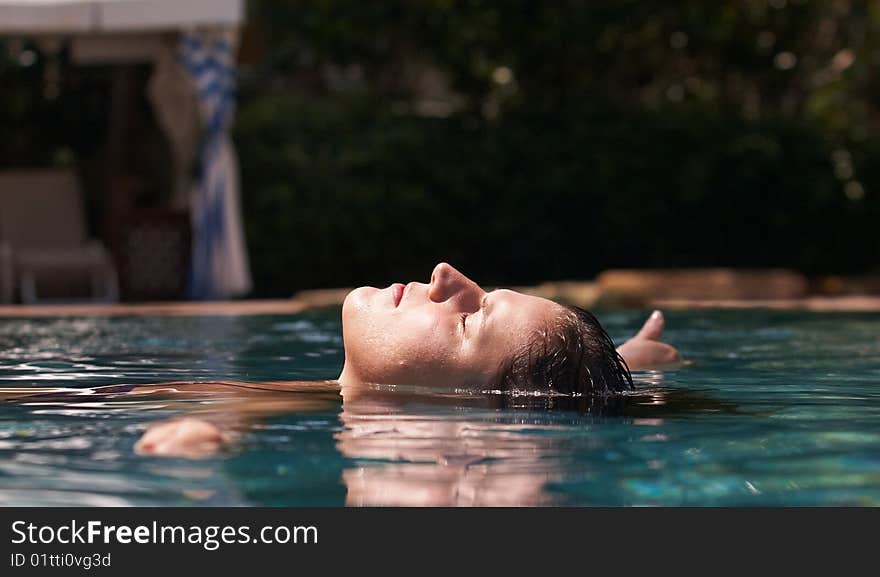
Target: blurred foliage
[528,140]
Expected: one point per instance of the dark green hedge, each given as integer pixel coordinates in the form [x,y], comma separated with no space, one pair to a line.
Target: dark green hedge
[633,134]
[576,136]
[340,191]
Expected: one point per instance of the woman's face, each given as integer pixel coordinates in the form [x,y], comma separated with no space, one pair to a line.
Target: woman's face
[449,332]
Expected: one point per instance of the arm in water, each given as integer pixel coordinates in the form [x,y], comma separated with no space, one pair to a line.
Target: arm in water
[205,428]
[195,436]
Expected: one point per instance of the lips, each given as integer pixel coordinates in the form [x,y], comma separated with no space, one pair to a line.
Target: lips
[397,293]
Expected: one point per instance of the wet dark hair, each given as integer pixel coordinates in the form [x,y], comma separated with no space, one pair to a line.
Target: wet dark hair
[572,355]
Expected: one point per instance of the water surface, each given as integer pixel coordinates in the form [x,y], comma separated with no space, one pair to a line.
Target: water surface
[777,408]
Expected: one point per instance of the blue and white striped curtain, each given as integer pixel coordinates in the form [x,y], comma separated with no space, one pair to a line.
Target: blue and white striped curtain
[219,266]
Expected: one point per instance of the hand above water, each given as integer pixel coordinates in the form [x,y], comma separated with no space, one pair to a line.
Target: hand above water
[645,350]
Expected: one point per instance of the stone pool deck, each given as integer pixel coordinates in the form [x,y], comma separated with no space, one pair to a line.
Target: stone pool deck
[718,288]
[818,304]
[216,308]
[311,300]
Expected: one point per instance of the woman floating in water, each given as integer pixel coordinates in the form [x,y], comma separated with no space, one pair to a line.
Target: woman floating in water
[448,334]
[453,335]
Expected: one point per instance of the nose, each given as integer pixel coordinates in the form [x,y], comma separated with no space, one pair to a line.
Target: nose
[448,284]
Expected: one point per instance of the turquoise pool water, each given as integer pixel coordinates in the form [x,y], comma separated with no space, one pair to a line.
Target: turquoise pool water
[777,408]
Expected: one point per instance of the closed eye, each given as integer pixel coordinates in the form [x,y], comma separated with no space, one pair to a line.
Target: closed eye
[464,316]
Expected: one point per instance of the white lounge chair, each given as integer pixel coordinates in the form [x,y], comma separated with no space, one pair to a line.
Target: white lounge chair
[43,238]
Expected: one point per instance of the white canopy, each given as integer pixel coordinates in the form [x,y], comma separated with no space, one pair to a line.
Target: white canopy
[113,16]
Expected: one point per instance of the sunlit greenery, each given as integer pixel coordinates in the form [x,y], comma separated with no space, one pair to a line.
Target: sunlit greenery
[527,140]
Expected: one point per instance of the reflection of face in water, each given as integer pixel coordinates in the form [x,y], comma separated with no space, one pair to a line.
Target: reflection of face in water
[427,447]
[435,459]
[417,455]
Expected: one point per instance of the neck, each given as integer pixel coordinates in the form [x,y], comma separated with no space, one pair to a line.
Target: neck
[348,378]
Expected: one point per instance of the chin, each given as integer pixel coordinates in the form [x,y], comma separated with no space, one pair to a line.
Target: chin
[357,300]
[349,307]
[355,310]
[361,296]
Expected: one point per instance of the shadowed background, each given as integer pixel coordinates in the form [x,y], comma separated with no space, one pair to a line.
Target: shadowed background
[525,141]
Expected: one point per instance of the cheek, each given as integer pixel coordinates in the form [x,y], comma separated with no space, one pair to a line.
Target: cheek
[395,348]
[418,357]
